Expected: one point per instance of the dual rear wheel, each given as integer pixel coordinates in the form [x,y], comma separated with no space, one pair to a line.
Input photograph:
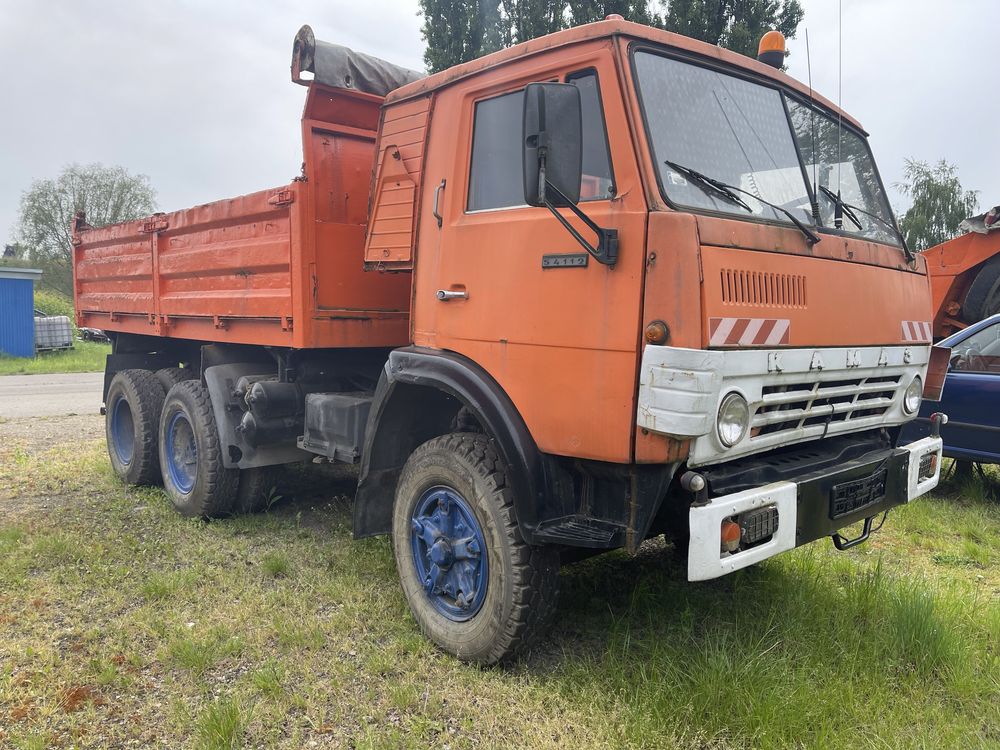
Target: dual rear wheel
[161,429]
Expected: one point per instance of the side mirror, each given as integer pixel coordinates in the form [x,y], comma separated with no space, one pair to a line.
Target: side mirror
[552,144]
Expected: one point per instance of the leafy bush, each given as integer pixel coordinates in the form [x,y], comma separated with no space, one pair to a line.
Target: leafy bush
[52,302]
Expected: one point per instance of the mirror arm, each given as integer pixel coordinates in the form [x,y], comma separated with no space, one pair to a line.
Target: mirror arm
[606,251]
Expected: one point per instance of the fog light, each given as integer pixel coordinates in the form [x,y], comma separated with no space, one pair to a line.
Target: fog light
[928,466]
[758,525]
[733,420]
[911,399]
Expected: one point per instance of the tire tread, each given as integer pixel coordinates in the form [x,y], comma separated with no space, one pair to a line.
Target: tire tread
[535,569]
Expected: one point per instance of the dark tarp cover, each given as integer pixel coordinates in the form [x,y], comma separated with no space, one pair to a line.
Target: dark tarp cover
[343,68]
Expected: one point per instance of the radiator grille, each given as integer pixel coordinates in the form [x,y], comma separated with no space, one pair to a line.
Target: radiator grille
[764,288]
[793,406]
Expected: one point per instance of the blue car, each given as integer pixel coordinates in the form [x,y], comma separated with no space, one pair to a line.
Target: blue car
[971,396]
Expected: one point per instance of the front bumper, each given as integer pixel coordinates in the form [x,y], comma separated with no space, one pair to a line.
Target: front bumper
[811,506]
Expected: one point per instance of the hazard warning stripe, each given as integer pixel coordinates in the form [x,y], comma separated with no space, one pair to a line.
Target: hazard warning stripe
[748,331]
[916,330]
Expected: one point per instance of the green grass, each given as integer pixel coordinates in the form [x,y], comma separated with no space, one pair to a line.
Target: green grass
[124,622]
[85,356]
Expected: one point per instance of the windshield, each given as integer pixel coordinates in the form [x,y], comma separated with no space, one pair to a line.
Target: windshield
[840,161]
[738,132]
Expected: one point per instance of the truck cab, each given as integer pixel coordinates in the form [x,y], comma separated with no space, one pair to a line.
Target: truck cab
[611,283]
[724,342]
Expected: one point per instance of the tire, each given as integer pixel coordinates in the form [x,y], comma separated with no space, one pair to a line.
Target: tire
[132,420]
[171,376]
[256,488]
[194,476]
[983,297]
[512,587]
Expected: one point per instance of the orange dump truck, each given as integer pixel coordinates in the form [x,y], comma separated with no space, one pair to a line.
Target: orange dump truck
[587,290]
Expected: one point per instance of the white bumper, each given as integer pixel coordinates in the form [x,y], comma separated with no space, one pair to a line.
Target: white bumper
[705,558]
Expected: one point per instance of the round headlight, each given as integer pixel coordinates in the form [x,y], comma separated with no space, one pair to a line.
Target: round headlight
[914,392]
[733,420]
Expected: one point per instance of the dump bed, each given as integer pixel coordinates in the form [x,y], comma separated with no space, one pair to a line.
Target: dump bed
[281,267]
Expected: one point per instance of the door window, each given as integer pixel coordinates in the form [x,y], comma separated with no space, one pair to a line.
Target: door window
[978,353]
[496,177]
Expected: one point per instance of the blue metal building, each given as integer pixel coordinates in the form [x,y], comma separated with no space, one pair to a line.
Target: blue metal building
[17,311]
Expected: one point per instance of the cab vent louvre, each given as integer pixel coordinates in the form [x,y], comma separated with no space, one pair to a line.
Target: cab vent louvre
[762,288]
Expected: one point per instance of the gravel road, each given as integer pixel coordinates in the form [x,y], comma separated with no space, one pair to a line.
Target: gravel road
[50,395]
[41,411]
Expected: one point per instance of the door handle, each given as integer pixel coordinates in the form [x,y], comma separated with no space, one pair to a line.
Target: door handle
[437,198]
[446,294]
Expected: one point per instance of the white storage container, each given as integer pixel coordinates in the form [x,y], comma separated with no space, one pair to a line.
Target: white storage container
[53,332]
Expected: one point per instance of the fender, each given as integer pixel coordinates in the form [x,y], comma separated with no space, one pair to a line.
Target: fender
[398,422]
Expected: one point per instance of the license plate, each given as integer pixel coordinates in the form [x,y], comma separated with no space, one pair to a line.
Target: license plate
[851,496]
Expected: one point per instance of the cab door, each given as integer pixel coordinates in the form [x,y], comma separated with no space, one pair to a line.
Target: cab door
[507,286]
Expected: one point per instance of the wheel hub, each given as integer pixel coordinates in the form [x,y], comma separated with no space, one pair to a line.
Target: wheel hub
[447,543]
[182,453]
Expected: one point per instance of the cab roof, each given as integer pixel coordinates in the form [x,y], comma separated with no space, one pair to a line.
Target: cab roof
[601,30]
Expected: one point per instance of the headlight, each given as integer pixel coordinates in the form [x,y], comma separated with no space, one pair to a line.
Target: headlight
[911,399]
[733,420]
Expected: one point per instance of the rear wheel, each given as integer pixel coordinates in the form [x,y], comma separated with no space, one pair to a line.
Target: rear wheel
[983,297]
[474,586]
[132,418]
[257,488]
[190,455]
[171,376]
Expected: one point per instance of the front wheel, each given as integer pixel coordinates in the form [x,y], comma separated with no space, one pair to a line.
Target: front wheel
[474,586]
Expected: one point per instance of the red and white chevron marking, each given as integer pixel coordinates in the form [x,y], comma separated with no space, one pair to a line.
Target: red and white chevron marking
[916,330]
[748,331]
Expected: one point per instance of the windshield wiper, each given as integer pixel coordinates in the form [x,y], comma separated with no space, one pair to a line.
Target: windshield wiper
[849,209]
[711,185]
[841,209]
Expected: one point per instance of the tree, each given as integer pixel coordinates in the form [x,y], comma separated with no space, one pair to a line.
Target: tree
[939,203]
[106,195]
[457,31]
[734,24]
[460,30]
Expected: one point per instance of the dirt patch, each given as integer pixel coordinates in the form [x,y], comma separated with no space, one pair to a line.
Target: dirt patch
[38,434]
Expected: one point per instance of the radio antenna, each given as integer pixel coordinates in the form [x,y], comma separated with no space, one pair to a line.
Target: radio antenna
[812,116]
[838,220]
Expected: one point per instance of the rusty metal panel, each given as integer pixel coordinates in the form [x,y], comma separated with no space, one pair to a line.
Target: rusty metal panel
[227,259]
[281,267]
[113,269]
[401,150]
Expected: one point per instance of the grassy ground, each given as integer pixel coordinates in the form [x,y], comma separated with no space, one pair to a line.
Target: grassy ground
[124,623]
[85,356]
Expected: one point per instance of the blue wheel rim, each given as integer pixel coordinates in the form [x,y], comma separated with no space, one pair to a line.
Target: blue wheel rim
[449,553]
[123,430]
[181,452]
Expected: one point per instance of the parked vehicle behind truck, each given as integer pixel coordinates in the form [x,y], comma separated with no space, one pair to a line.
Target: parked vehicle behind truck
[965,274]
[554,301]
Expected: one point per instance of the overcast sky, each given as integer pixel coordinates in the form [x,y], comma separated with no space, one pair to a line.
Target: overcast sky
[197,95]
